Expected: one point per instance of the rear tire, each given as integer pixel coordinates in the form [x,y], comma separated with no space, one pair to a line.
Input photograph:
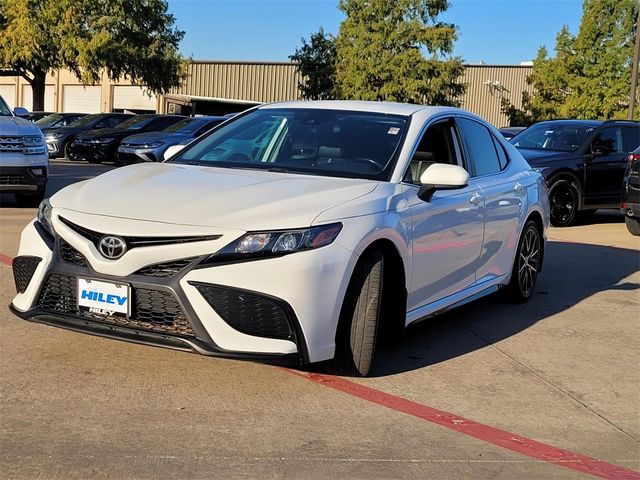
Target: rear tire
[359,318]
[526,264]
[633,225]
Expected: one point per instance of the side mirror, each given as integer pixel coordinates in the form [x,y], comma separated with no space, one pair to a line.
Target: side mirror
[20,111]
[442,176]
[171,151]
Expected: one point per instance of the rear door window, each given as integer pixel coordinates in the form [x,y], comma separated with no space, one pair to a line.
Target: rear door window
[481,150]
[610,138]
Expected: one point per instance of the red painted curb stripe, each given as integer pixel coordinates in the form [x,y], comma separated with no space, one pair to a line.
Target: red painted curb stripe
[5,259]
[495,436]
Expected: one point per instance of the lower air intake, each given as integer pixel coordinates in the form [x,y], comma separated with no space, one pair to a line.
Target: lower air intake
[23,269]
[248,312]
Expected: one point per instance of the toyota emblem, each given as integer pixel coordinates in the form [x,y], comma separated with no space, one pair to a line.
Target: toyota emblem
[112,247]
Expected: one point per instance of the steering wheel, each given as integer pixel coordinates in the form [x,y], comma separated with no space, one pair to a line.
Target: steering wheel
[238,158]
[369,161]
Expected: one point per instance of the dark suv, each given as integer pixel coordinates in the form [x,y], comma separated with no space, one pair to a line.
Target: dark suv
[583,161]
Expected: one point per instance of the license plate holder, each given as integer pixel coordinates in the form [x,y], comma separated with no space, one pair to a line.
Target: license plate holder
[104,297]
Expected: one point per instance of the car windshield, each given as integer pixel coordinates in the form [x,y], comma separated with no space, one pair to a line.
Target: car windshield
[310,141]
[86,120]
[188,125]
[5,111]
[135,123]
[49,120]
[555,137]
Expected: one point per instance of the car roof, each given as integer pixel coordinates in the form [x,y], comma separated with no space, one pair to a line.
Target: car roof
[405,109]
[589,123]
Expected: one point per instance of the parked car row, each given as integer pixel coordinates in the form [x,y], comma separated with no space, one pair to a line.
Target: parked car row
[123,138]
[584,163]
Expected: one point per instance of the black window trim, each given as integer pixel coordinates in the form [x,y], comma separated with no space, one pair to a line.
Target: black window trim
[444,117]
[466,148]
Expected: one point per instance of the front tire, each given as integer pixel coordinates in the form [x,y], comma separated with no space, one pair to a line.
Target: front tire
[526,265]
[564,198]
[359,318]
[633,225]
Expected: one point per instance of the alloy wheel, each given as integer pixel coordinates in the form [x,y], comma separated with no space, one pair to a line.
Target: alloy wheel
[564,202]
[529,261]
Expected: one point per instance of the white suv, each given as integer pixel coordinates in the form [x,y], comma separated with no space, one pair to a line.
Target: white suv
[24,160]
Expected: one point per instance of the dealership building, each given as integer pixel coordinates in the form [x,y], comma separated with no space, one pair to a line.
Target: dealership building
[219,87]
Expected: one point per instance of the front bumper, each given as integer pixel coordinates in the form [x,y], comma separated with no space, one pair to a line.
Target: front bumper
[29,178]
[102,152]
[55,146]
[130,155]
[227,310]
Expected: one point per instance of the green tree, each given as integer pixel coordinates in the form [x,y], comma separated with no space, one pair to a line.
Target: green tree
[590,74]
[316,62]
[381,51]
[135,39]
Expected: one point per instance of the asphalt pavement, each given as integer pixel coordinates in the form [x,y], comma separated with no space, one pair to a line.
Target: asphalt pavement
[545,390]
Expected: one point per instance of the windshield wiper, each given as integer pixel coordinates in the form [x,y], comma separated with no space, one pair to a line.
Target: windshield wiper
[278,170]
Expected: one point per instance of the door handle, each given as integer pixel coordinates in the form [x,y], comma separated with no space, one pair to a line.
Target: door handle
[518,187]
[476,198]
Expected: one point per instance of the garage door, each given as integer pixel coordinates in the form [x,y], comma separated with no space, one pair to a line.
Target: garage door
[133,98]
[49,99]
[76,98]
[8,92]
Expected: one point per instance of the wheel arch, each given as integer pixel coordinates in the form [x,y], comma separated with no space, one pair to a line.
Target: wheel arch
[395,280]
[567,174]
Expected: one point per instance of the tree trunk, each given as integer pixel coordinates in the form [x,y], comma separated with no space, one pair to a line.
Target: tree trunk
[37,87]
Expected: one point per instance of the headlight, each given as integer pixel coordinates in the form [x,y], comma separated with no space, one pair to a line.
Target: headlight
[101,140]
[276,243]
[33,140]
[54,136]
[44,215]
[151,145]
[33,144]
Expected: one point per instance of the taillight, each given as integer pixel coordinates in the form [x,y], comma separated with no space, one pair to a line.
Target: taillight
[634,156]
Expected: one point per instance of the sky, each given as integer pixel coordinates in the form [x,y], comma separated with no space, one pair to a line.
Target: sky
[490,31]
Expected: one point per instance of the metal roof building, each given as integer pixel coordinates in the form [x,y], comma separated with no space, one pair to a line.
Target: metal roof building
[219,87]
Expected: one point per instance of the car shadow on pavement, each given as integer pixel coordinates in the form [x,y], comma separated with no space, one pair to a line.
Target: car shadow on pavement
[571,273]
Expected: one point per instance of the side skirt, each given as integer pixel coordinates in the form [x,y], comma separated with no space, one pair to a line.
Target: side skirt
[463,297]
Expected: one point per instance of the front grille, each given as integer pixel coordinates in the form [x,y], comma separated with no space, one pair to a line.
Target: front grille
[132,242]
[248,312]
[167,269]
[13,144]
[71,255]
[15,179]
[152,310]
[23,269]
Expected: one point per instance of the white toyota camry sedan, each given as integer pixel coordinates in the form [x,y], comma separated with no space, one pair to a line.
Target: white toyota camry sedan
[293,233]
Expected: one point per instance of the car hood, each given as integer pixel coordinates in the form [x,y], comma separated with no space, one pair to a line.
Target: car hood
[173,138]
[537,156]
[106,132]
[207,196]
[66,130]
[17,126]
